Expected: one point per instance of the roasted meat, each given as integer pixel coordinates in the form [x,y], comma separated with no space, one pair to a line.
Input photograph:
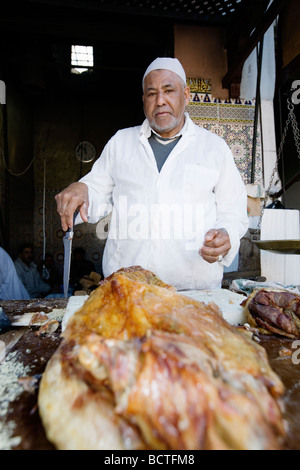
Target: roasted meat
[274,312]
[160,371]
[137,273]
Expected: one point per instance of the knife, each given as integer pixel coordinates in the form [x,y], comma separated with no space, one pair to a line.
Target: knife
[68,238]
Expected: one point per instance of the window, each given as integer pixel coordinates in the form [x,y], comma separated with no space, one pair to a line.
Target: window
[82,58]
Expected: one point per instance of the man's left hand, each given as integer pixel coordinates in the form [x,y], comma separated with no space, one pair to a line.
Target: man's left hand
[216,245]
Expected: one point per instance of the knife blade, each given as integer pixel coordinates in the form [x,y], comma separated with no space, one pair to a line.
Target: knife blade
[68,238]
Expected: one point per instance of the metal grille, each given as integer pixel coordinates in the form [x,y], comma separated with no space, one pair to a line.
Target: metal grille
[205,10]
[191,8]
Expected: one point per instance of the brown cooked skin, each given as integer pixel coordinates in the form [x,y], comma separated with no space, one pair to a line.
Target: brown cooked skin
[137,273]
[180,376]
[274,312]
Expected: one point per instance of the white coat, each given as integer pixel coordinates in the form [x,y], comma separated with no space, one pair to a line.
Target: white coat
[159,220]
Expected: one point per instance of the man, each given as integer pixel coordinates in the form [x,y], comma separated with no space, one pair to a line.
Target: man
[11,288]
[177,200]
[28,273]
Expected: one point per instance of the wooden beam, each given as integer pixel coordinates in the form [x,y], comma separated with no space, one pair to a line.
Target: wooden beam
[249,15]
[244,52]
[288,185]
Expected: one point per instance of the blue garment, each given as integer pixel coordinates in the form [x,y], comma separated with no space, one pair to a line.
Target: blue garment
[11,288]
[31,279]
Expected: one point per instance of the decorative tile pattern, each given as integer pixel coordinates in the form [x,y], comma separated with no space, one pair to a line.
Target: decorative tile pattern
[199,85]
[234,121]
[203,106]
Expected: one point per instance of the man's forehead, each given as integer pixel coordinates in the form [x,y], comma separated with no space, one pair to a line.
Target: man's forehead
[161,78]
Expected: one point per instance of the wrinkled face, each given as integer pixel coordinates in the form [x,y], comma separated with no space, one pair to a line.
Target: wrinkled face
[165,99]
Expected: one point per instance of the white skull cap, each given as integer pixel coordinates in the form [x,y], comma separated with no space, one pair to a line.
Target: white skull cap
[166,63]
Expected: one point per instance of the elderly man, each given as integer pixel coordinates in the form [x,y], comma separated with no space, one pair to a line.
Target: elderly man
[177,201]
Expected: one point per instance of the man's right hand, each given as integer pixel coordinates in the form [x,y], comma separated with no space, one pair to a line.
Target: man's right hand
[74,197]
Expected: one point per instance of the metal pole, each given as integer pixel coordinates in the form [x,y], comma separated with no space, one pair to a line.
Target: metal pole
[257,109]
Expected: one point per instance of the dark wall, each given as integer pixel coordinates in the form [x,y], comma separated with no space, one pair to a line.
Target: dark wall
[17,145]
[49,110]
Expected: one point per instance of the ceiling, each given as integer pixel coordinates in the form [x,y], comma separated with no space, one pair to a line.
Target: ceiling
[213,11]
[126,34]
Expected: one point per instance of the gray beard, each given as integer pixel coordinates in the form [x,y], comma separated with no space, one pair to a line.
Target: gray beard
[173,124]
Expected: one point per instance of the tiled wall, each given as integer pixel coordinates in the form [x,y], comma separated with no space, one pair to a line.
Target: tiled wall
[231,119]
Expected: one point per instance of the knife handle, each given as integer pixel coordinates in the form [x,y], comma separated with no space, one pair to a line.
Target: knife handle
[71,229]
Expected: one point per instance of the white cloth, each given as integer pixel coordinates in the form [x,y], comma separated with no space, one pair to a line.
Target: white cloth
[166,63]
[159,220]
[268,71]
[11,288]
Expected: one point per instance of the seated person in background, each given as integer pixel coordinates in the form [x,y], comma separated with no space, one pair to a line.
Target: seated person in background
[28,273]
[49,273]
[80,267]
[11,288]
